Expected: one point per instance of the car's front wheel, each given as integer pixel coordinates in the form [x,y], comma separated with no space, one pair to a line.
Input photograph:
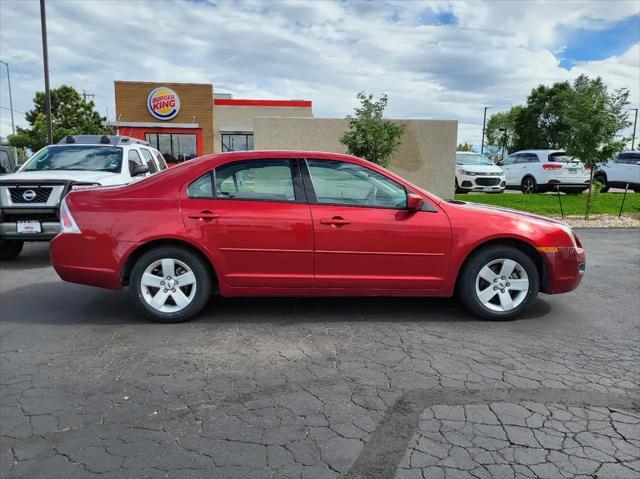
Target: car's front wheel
[499,282]
[10,249]
[170,284]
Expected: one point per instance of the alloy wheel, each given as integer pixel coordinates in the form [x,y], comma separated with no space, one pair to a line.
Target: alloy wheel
[502,285]
[168,285]
[528,186]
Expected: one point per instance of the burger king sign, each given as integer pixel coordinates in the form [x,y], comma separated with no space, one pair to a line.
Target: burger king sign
[163,103]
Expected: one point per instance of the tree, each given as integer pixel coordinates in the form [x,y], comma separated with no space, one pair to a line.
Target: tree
[70,115]
[371,137]
[541,123]
[501,129]
[465,147]
[593,118]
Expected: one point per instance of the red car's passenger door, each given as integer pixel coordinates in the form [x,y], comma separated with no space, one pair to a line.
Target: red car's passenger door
[253,215]
[364,236]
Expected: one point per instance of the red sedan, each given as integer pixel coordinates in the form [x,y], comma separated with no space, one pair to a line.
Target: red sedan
[300,223]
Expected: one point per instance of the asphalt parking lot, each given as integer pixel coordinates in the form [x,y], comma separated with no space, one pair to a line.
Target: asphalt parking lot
[322,388]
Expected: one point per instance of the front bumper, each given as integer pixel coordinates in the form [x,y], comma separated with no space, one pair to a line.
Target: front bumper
[49,229]
[495,184]
[566,267]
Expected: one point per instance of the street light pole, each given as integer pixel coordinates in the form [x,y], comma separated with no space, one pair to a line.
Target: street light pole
[13,124]
[635,120]
[45,56]
[484,122]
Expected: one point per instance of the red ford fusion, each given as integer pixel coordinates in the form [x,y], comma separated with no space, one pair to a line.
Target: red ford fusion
[301,223]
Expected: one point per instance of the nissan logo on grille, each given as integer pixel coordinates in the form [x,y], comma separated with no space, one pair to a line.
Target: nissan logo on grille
[29,195]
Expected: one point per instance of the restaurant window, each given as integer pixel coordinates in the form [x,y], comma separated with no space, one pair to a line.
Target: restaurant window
[237,141]
[175,147]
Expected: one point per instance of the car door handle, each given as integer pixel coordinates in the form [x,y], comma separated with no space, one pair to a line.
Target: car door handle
[335,221]
[205,215]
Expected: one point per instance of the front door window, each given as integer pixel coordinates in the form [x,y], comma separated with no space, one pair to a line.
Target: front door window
[342,183]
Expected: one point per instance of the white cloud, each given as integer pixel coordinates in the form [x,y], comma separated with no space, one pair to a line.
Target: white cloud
[319,50]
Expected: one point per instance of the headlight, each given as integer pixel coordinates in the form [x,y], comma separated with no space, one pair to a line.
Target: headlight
[84,186]
[468,173]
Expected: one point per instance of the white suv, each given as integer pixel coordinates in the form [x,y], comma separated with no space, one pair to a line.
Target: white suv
[622,170]
[535,171]
[476,172]
[30,198]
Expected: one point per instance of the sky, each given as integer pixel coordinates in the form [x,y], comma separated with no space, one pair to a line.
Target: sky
[435,59]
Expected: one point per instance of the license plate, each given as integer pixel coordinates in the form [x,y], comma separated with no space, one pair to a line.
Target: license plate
[573,171]
[28,227]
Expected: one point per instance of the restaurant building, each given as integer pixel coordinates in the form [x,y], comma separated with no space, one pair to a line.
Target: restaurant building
[186,120]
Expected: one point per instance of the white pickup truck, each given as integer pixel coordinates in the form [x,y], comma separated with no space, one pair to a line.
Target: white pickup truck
[30,198]
[622,170]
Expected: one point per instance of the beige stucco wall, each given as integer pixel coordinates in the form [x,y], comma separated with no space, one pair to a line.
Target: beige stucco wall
[426,155]
[240,119]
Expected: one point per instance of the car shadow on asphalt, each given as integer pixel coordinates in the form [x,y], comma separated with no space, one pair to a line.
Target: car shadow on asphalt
[33,258]
[64,303]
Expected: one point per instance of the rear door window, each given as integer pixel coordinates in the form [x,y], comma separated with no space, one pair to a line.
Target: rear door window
[148,158]
[260,180]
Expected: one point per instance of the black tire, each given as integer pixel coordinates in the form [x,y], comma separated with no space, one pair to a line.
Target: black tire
[202,283]
[460,191]
[602,179]
[10,249]
[529,185]
[467,281]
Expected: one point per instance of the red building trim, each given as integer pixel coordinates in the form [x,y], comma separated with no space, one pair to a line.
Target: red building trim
[263,103]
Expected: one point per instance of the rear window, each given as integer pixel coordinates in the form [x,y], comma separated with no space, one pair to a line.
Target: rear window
[560,157]
[81,158]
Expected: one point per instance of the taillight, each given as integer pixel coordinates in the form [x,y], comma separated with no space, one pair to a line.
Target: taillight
[67,223]
[551,166]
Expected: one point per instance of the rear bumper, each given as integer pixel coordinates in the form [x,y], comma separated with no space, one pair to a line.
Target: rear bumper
[83,260]
[566,268]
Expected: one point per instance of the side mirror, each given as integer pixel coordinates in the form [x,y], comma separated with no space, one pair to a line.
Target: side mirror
[136,169]
[414,202]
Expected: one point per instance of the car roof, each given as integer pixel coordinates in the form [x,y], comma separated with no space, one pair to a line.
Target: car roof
[253,154]
[544,152]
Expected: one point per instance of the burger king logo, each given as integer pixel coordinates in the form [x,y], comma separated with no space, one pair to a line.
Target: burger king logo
[163,103]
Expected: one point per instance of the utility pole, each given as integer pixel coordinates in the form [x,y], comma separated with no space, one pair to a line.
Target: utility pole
[635,120]
[45,56]
[13,124]
[86,94]
[484,122]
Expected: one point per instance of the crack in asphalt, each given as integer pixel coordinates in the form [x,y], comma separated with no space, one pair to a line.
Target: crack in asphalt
[388,444]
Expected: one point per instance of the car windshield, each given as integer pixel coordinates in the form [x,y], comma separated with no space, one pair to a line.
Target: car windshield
[84,158]
[472,159]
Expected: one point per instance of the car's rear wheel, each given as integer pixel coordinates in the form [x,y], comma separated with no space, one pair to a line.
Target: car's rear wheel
[600,178]
[529,185]
[10,249]
[170,284]
[499,283]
